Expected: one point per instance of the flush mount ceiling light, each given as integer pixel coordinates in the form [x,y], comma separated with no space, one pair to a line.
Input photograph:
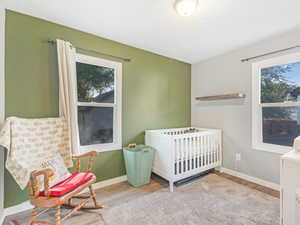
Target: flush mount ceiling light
[185,7]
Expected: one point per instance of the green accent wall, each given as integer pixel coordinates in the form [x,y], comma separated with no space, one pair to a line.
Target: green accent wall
[156,89]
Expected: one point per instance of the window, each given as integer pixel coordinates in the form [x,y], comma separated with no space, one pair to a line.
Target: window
[99,103]
[276,103]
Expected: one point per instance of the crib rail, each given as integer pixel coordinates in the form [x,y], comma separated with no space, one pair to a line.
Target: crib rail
[181,131]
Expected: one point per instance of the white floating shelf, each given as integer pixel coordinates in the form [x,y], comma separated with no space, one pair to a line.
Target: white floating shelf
[221,97]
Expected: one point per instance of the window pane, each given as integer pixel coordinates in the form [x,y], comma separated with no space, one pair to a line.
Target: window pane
[280,83]
[95,125]
[95,83]
[281,125]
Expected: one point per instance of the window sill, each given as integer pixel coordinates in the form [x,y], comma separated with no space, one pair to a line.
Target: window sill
[277,149]
[101,148]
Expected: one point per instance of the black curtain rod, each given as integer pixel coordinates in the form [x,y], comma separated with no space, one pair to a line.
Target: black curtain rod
[269,53]
[96,52]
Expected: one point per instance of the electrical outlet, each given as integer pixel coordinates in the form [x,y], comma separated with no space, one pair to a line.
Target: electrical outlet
[238,156]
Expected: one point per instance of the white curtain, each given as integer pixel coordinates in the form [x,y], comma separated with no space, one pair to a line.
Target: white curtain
[67,89]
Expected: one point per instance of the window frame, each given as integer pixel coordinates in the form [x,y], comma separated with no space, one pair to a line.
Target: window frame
[257,106]
[117,105]
[2,102]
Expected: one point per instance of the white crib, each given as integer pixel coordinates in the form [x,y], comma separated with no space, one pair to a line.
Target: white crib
[184,152]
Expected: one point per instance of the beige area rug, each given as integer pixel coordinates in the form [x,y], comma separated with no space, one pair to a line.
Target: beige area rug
[210,200]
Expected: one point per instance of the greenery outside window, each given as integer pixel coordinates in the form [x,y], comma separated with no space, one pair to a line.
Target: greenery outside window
[99,103]
[276,103]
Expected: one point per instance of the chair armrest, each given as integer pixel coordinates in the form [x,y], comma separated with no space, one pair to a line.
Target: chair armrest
[91,155]
[34,185]
[46,172]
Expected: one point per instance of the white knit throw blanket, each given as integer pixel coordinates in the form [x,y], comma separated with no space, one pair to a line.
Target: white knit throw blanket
[31,141]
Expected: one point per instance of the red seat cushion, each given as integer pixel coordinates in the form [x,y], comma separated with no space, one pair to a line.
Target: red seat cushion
[69,184]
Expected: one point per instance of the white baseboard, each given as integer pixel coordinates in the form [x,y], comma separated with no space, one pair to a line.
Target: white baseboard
[251,179]
[26,205]
[109,182]
[2,217]
[17,208]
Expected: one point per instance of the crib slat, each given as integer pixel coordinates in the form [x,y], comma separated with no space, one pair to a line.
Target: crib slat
[207,150]
[194,152]
[210,149]
[181,154]
[191,153]
[190,140]
[214,149]
[204,150]
[176,156]
[199,151]
[186,154]
[217,149]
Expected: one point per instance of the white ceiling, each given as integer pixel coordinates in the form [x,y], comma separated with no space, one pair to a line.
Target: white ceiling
[217,26]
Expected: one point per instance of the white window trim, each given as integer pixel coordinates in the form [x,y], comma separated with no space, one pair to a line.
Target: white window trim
[2,104]
[257,143]
[117,143]
[2,65]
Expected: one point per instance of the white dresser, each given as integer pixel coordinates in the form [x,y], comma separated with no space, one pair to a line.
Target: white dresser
[298,206]
[289,182]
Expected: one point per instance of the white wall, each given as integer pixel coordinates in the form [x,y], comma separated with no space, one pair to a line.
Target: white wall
[227,74]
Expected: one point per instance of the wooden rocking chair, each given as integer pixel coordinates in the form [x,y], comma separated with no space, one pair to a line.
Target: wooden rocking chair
[62,194]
